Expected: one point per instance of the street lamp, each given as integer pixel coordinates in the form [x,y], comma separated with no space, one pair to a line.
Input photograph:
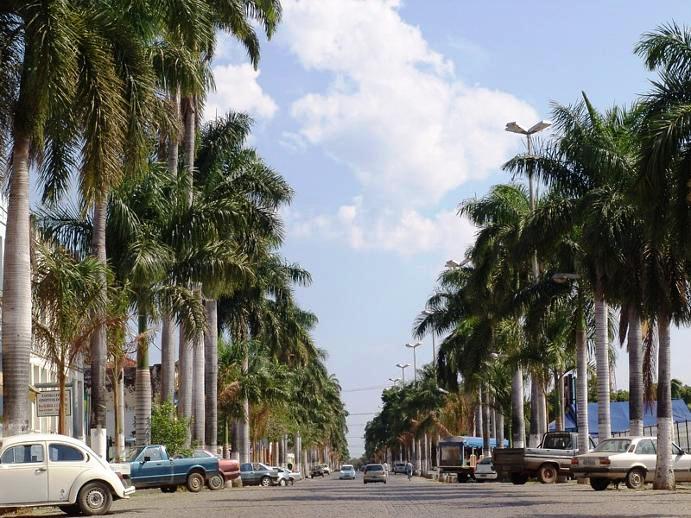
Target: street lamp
[451,264]
[403,367]
[414,347]
[394,380]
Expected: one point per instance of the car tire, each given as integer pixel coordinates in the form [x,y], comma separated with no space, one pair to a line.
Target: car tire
[599,484]
[216,482]
[169,489]
[94,499]
[547,474]
[70,510]
[519,478]
[265,482]
[635,478]
[195,482]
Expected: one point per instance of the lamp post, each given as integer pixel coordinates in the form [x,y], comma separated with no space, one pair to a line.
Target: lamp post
[403,367]
[394,380]
[517,383]
[414,346]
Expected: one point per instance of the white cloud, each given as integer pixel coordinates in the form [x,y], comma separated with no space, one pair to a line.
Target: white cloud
[404,231]
[237,89]
[395,111]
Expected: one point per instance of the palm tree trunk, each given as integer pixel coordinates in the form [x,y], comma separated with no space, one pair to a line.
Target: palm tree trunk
[98,340]
[119,411]
[581,380]
[484,398]
[199,424]
[534,437]
[211,374]
[500,429]
[635,373]
[664,471]
[142,382]
[604,429]
[185,378]
[559,399]
[61,388]
[517,412]
[167,360]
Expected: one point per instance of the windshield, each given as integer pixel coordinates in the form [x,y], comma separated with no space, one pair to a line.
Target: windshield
[375,467]
[613,445]
[486,460]
[134,454]
[347,467]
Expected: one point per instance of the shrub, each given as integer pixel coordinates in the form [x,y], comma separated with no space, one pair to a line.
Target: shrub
[168,429]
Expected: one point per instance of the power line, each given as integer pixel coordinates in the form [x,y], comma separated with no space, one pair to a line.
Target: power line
[363,389]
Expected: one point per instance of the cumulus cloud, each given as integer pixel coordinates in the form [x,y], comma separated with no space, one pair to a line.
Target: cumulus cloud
[394,111]
[237,89]
[403,231]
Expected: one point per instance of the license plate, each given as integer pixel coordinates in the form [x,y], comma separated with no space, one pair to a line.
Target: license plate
[589,462]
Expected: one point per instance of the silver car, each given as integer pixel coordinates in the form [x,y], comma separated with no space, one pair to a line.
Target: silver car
[347,472]
[374,473]
[627,459]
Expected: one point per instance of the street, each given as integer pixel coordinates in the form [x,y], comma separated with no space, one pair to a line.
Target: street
[401,498]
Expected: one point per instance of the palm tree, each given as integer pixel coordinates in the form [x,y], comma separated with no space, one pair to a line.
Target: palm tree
[69,307]
[664,179]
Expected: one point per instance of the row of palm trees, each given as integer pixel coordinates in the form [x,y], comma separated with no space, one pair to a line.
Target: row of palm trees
[172,220]
[610,236]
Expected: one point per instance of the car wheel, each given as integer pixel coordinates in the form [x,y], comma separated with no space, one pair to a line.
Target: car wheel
[265,482]
[282,482]
[94,499]
[599,484]
[635,479]
[195,482]
[169,489]
[70,510]
[547,474]
[216,482]
[519,478]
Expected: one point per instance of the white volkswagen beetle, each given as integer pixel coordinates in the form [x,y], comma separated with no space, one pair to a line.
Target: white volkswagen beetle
[55,470]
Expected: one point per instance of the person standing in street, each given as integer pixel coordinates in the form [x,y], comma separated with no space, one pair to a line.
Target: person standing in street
[409,470]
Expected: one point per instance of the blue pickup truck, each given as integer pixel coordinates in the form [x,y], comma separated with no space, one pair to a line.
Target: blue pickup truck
[150,466]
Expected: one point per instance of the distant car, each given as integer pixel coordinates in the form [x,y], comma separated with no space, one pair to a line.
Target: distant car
[317,471]
[485,470]
[347,472]
[327,469]
[627,459]
[54,470]
[374,473]
[230,469]
[399,467]
[258,474]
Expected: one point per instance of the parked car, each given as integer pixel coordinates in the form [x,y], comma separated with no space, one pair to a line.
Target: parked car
[54,470]
[374,473]
[547,462]
[258,474]
[484,470]
[150,466]
[347,472]
[230,469]
[284,476]
[399,467]
[317,471]
[627,459]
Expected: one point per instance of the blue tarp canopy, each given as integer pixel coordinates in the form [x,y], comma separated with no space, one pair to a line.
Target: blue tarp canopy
[473,442]
[619,412]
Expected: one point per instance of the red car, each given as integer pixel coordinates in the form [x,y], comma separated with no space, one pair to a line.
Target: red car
[229,467]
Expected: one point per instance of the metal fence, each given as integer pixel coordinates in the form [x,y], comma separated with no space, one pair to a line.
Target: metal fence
[681,434]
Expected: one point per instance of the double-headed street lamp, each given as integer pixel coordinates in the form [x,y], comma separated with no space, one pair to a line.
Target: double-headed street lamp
[394,380]
[403,367]
[414,346]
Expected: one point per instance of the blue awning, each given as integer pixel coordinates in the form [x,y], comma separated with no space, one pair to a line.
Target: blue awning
[619,415]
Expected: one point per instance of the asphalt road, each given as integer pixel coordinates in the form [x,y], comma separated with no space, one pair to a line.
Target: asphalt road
[418,498]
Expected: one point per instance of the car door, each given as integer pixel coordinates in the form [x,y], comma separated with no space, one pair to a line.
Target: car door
[65,463]
[154,469]
[247,473]
[24,474]
[646,454]
[682,464]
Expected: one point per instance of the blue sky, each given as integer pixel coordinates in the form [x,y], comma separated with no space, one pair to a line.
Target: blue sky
[385,114]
